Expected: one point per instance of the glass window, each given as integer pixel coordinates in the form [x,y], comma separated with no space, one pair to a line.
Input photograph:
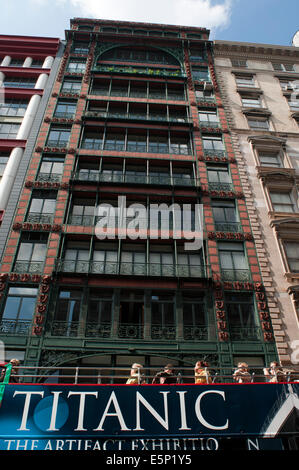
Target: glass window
[158,144]
[245,80]
[194,36]
[283,67]
[293,102]
[9,130]
[114,141]
[239,63]
[100,88]
[16,62]
[37,63]
[196,54]
[76,257]
[66,109]
[189,263]
[282,202]
[138,90]
[161,260]
[233,261]
[162,309]
[92,140]
[76,66]
[212,143]
[85,27]
[204,95]
[83,212]
[19,82]
[218,174]
[251,101]
[194,318]
[81,47]
[208,117]
[105,258]
[51,167]
[111,171]
[175,93]
[287,84]
[139,55]
[58,137]
[13,107]
[99,307]
[71,86]
[270,159]
[42,207]
[133,259]
[117,89]
[3,162]
[241,317]
[258,123]
[68,306]
[182,175]
[135,172]
[194,311]
[180,145]
[31,253]
[20,304]
[136,143]
[292,252]
[200,73]
[225,215]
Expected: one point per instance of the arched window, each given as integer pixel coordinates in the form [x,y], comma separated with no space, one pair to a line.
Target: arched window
[127,54]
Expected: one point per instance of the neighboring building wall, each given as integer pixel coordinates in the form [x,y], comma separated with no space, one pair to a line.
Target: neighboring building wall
[25,66]
[249,76]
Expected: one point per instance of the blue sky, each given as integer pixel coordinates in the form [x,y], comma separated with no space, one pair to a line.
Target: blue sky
[261,21]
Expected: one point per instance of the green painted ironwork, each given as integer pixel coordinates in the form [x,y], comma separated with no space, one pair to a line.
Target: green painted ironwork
[5,380]
[176,52]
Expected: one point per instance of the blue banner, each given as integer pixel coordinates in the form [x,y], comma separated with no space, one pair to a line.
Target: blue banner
[181,416]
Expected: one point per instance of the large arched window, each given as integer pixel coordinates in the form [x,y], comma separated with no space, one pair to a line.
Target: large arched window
[138,55]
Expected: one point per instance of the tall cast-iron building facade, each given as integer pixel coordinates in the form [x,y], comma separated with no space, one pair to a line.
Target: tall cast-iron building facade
[135,115]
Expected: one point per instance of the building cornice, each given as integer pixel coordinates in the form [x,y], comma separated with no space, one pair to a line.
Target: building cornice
[256,50]
[267,140]
[31,45]
[138,24]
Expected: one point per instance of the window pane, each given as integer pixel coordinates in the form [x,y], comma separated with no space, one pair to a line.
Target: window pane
[39,252]
[25,251]
[11,308]
[26,308]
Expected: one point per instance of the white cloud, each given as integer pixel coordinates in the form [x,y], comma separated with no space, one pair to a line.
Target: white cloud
[201,13]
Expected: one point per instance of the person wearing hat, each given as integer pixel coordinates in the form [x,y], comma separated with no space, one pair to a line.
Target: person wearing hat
[165,376]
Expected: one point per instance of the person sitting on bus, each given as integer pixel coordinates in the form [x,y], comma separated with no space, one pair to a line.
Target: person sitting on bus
[201,373]
[275,373]
[166,376]
[136,377]
[241,374]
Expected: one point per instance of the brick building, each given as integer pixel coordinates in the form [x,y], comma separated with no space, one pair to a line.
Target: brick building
[135,112]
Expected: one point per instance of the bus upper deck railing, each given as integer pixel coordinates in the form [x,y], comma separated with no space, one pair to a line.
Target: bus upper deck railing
[120,375]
